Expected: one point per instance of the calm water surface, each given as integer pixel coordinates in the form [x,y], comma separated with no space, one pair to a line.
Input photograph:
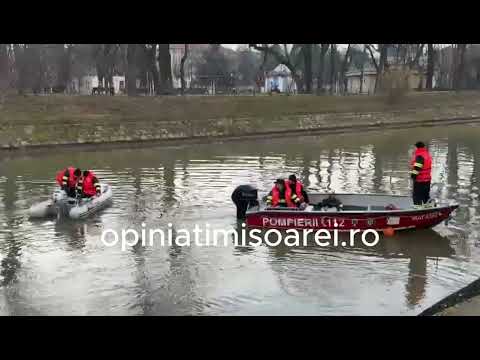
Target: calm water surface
[50,267]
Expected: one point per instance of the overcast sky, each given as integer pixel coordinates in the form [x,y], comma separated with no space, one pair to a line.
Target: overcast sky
[235,46]
[231,46]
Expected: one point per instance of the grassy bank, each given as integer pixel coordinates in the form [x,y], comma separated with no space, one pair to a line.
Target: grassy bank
[58,119]
[58,108]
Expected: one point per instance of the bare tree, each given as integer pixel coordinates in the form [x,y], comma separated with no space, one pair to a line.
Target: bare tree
[151,52]
[182,68]
[333,51]
[20,67]
[307,56]
[4,71]
[131,70]
[62,56]
[165,65]
[415,60]
[105,56]
[345,65]
[430,66]
[382,62]
[321,67]
[459,67]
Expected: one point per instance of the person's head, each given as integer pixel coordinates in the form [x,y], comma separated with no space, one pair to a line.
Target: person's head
[280,184]
[85,173]
[77,172]
[420,145]
[292,178]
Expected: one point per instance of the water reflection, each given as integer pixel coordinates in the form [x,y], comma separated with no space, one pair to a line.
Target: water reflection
[52,267]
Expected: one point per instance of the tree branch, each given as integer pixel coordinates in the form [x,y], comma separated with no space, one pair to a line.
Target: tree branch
[372,56]
[417,56]
[267,49]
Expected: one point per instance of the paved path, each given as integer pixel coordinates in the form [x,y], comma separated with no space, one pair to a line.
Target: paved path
[470,307]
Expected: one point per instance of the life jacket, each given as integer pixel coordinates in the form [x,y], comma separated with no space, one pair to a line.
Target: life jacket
[90,188]
[72,179]
[288,196]
[425,173]
[298,190]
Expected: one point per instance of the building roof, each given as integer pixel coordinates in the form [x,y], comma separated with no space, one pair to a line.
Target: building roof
[280,70]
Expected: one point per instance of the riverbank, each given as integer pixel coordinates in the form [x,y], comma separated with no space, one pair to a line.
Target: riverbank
[465,302]
[44,121]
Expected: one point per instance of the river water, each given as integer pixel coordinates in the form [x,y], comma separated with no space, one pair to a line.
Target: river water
[61,267]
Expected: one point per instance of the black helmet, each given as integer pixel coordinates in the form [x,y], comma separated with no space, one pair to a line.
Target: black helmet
[77,172]
[292,178]
[279,181]
[420,144]
[85,173]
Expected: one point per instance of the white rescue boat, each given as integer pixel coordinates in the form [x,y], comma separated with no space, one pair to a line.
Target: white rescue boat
[62,205]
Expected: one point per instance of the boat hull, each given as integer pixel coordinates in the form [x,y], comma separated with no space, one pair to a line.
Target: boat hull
[346,221]
[89,206]
[60,205]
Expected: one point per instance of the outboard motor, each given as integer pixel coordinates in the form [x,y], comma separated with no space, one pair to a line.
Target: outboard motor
[244,196]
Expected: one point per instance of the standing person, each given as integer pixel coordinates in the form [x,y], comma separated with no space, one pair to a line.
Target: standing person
[297,188]
[280,195]
[421,173]
[88,186]
[68,179]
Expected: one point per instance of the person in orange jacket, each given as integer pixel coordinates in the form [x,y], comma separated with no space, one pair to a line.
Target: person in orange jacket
[421,173]
[68,179]
[281,195]
[297,188]
[88,185]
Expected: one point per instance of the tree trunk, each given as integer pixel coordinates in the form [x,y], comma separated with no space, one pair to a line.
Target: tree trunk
[131,70]
[333,51]
[381,65]
[460,67]
[100,63]
[4,72]
[165,65]
[360,91]
[152,67]
[321,68]
[344,70]
[35,62]
[4,62]
[19,53]
[182,68]
[307,58]
[430,67]
[63,65]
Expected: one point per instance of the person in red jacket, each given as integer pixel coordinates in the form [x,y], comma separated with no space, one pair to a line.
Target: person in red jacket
[300,196]
[68,179]
[280,195]
[421,173]
[88,185]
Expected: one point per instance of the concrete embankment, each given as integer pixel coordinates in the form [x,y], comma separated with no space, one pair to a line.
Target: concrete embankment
[39,121]
[465,302]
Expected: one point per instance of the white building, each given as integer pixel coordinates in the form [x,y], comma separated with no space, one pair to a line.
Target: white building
[279,79]
[355,77]
[359,82]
